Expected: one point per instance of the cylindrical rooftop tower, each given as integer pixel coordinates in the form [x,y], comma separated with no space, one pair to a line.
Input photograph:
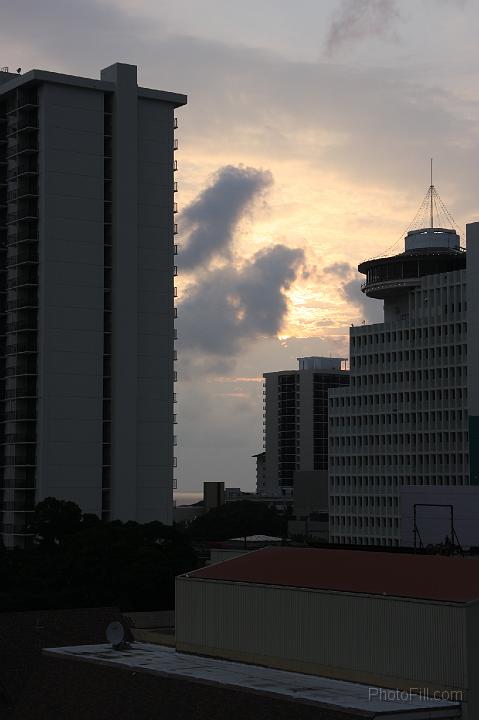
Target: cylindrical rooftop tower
[428,250]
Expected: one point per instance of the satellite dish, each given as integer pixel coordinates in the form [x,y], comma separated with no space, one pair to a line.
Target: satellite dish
[19,70]
[115,634]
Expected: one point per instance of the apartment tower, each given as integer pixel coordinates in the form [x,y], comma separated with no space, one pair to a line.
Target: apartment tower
[295,421]
[410,416]
[87,295]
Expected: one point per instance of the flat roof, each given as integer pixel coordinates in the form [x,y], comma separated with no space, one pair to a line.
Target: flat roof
[427,577]
[46,76]
[368,702]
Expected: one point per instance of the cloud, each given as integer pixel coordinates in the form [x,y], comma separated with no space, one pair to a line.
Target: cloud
[341,269]
[211,219]
[359,19]
[232,306]
[371,310]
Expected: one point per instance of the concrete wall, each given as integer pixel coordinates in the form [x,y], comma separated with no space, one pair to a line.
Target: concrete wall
[155,311]
[391,642]
[472,239]
[71,295]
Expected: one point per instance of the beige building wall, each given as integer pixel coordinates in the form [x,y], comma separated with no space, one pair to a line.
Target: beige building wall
[388,641]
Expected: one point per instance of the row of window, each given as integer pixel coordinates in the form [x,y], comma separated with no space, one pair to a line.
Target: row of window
[364,521]
[406,439]
[380,482]
[430,396]
[415,356]
[428,460]
[349,540]
[412,376]
[402,336]
[406,376]
[371,501]
[448,417]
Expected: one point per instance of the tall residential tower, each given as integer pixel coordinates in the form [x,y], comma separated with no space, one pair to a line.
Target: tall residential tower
[87,295]
[296,421]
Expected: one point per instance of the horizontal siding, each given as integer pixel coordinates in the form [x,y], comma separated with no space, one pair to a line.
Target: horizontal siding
[389,639]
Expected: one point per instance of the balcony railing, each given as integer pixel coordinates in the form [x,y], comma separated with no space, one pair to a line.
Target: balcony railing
[22,278]
[30,256]
[21,347]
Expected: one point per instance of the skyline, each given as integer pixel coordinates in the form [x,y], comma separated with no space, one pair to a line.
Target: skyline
[336,113]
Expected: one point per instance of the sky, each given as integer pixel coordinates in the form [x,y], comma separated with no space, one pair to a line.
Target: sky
[304,148]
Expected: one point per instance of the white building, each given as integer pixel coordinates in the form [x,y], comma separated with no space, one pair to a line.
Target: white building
[405,418]
[87,303]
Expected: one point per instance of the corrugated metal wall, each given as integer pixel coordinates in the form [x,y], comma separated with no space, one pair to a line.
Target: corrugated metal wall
[399,643]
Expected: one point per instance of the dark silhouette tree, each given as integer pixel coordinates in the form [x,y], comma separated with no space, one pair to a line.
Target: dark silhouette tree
[238,519]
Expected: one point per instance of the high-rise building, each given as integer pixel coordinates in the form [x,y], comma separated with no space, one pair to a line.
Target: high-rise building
[87,295]
[410,414]
[296,421]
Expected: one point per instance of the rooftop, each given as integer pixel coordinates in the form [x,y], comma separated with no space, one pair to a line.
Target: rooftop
[319,691]
[427,577]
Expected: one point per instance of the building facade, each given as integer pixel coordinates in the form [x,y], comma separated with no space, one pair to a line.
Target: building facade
[87,301]
[295,420]
[402,621]
[405,418]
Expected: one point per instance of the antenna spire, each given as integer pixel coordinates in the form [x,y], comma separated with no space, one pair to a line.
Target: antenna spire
[431,192]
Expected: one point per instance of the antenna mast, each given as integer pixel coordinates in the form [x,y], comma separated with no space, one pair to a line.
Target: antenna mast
[431,191]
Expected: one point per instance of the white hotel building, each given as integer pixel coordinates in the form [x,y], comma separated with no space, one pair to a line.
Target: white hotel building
[410,414]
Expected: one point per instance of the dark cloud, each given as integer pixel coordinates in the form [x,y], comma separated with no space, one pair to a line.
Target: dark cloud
[371,310]
[341,269]
[231,306]
[359,19]
[211,219]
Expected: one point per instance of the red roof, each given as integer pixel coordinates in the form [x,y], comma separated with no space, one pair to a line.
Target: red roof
[429,577]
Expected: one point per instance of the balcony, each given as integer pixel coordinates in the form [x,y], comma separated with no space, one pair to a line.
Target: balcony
[26,256]
[25,320]
[26,212]
[175,144]
[26,99]
[20,410]
[23,167]
[23,478]
[24,190]
[22,390]
[26,277]
[18,455]
[21,146]
[16,367]
[23,122]
[175,123]
[28,345]
[22,233]
[17,301]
